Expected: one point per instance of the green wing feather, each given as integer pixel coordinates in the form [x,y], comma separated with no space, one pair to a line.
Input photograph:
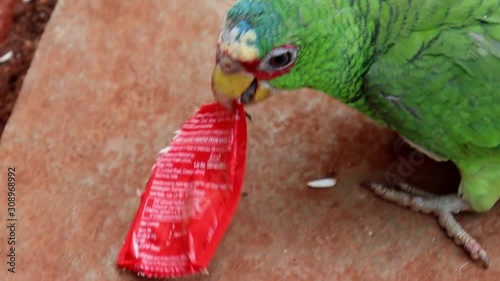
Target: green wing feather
[438,84]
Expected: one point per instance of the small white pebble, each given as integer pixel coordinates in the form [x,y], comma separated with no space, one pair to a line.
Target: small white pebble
[138,192]
[322,183]
[27,1]
[6,57]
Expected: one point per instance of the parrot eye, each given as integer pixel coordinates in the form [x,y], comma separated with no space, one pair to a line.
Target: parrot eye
[279,58]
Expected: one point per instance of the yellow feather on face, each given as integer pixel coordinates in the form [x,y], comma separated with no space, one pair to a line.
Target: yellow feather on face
[239,46]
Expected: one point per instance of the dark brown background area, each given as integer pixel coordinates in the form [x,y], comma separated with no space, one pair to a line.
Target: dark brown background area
[21,26]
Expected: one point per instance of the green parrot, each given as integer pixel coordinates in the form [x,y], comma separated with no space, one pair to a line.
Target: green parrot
[429,70]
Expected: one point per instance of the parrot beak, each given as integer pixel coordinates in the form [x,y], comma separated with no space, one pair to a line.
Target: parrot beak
[229,85]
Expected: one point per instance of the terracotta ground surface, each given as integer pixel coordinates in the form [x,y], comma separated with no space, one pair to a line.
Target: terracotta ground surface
[109,84]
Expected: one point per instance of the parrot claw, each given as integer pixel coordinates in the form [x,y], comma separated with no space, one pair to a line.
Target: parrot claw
[443,207]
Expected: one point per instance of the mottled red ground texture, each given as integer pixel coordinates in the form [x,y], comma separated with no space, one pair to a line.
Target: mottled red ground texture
[110,83]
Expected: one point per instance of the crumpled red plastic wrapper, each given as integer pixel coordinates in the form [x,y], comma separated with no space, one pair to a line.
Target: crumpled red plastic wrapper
[190,198]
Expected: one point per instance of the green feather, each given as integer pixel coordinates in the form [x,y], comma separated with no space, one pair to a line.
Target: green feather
[427,69]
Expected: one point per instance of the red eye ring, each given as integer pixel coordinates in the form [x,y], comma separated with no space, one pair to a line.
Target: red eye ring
[273,65]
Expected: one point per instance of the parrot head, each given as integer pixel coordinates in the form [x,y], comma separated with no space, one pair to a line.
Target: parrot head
[269,45]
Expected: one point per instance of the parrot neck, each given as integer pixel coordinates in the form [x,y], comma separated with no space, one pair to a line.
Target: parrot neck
[390,19]
[347,54]
[360,29]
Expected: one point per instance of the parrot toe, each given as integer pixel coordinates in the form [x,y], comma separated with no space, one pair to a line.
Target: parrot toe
[443,207]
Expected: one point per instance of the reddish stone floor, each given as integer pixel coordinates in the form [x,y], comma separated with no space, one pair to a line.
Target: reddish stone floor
[110,83]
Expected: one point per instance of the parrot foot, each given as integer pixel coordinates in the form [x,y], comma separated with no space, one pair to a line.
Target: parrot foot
[443,207]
